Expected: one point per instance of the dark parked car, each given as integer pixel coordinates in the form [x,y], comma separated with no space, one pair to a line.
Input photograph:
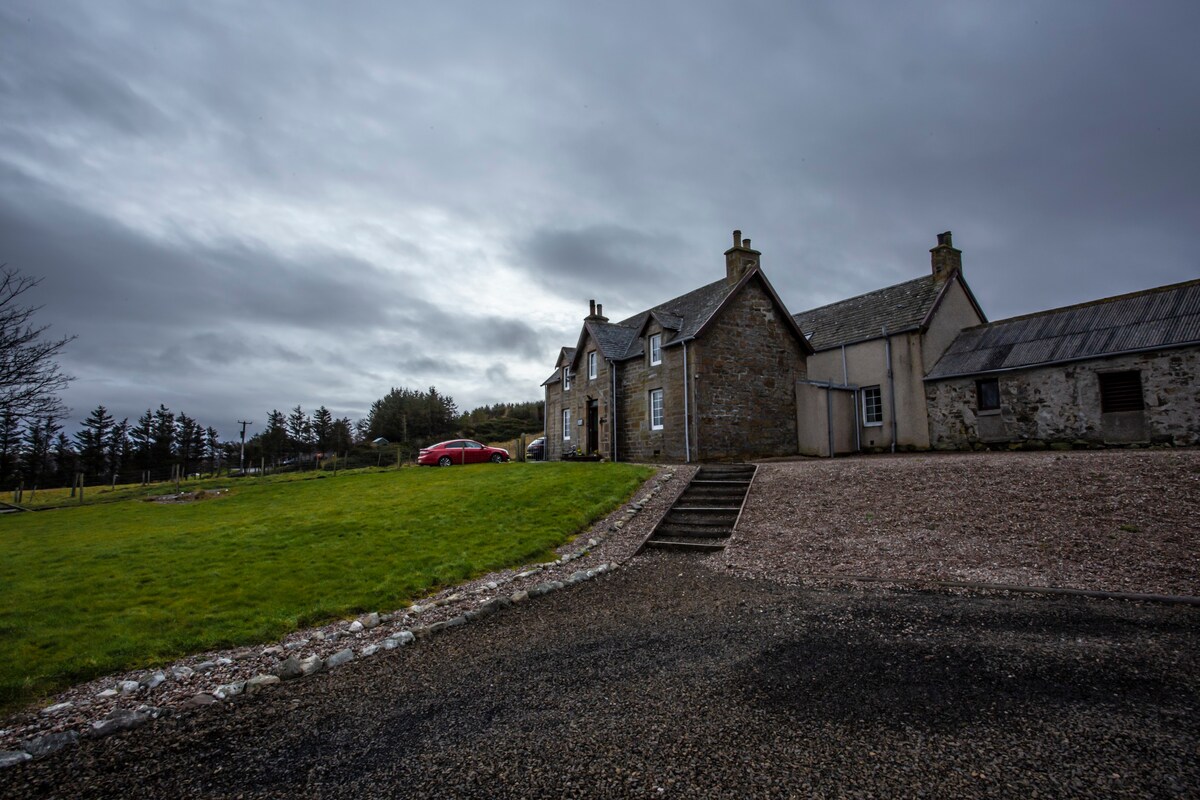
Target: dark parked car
[460,451]
[536,451]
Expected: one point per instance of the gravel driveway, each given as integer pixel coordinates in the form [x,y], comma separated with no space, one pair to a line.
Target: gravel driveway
[672,677]
[759,671]
[1124,520]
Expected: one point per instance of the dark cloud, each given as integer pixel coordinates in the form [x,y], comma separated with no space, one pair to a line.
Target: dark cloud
[248,208]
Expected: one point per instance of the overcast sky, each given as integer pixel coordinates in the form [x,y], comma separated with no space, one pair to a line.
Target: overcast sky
[245,206]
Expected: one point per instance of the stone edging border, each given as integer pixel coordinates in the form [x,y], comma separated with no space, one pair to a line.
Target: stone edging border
[292,667]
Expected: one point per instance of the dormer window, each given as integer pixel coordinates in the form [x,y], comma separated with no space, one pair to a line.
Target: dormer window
[566,379]
[592,366]
[655,349]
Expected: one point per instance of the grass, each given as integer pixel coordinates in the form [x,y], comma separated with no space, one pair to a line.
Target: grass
[95,589]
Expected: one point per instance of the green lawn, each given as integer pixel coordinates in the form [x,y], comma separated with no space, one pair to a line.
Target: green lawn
[96,589]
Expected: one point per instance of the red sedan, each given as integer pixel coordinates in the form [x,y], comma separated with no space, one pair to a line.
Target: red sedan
[460,451]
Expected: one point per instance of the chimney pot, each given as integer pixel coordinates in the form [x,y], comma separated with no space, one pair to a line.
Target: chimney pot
[746,243]
[737,238]
[591,308]
[946,259]
[599,309]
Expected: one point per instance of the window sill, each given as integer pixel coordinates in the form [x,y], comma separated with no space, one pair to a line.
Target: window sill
[872,424]
[988,412]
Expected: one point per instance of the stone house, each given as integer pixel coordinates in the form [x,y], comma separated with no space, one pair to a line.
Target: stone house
[1119,370]
[865,389]
[708,375]
[725,372]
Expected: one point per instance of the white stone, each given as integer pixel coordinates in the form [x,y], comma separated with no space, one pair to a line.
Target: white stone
[310,665]
[182,672]
[228,690]
[57,708]
[10,758]
[107,693]
[339,658]
[154,680]
[356,626]
[389,644]
[128,687]
[259,682]
[369,650]
[369,621]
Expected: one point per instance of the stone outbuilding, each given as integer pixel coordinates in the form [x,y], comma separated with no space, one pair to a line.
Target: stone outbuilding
[708,375]
[1120,370]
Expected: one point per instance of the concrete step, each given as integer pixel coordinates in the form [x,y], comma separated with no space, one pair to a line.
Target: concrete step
[695,547]
[695,531]
[704,515]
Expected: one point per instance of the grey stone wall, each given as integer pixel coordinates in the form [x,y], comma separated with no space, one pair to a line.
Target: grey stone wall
[576,399]
[635,378]
[1060,405]
[748,362]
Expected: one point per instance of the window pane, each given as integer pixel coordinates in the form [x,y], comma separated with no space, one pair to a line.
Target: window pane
[656,348]
[656,409]
[566,425]
[872,402]
[987,393]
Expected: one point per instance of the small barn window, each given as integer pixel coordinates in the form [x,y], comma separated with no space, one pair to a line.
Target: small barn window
[987,394]
[1121,391]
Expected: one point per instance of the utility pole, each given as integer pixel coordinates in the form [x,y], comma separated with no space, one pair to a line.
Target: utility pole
[242,458]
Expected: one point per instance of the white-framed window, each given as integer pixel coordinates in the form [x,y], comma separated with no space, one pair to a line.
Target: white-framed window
[566,379]
[656,409]
[592,365]
[566,424]
[656,349]
[872,405]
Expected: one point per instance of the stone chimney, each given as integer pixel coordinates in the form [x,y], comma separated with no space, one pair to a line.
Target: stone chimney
[596,312]
[740,258]
[946,260]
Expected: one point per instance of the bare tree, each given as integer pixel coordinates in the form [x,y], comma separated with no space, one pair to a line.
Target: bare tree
[30,379]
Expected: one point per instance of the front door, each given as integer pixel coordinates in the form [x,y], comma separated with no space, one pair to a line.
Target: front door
[593,426]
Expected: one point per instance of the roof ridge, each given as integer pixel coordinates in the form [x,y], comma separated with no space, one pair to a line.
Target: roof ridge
[1087,304]
[864,294]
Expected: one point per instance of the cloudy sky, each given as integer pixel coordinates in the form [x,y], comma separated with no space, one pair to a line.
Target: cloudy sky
[245,206]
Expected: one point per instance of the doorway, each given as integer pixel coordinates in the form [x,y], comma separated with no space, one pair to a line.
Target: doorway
[593,426]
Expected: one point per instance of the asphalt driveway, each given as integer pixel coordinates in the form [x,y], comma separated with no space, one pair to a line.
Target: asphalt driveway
[668,678]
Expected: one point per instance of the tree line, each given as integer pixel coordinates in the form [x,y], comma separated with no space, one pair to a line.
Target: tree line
[36,451]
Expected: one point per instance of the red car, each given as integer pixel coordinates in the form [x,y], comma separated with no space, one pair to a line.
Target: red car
[460,451]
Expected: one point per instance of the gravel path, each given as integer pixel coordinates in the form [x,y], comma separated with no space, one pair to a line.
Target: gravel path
[671,678]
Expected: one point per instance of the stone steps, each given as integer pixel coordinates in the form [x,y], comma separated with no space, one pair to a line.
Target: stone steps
[705,514]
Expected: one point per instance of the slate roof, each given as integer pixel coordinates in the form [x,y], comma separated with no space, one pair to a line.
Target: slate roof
[681,317]
[569,354]
[1154,319]
[899,308]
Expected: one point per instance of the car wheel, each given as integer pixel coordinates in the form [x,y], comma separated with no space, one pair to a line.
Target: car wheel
[497,458]
[444,461]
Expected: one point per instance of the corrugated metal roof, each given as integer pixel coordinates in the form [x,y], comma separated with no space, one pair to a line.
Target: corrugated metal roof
[1168,316]
[902,307]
